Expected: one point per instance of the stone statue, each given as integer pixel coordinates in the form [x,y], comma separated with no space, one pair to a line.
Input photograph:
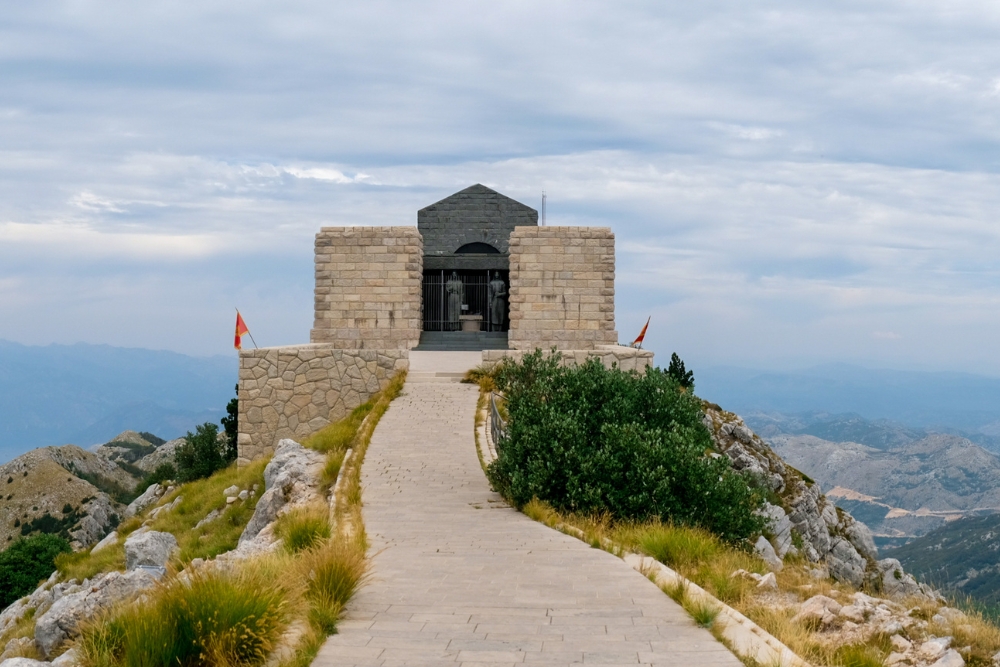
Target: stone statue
[498,302]
[456,295]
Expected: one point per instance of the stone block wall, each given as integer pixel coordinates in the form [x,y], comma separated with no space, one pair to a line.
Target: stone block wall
[368,282]
[562,288]
[626,358]
[291,392]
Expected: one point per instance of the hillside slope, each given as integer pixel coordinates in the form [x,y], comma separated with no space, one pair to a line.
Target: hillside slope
[76,493]
[45,490]
[962,556]
[901,491]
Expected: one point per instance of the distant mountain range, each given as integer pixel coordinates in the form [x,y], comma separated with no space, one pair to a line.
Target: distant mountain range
[86,394]
[942,401]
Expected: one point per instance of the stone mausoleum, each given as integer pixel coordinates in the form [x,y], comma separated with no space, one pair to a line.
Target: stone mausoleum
[476,273]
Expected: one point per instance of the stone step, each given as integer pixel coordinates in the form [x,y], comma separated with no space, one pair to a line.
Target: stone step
[445,341]
[432,376]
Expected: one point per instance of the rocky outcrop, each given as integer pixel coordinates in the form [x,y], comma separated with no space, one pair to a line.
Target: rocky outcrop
[291,479]
[163,454]
[806,521]
[148,497]
[63,619]
[151,548]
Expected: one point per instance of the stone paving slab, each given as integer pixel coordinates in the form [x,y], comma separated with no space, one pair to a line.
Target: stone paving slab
[460,578]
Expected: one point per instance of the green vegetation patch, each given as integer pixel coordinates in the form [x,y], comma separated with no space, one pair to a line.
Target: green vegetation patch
[215,618]
[588,439]
[26,563]
[201,497]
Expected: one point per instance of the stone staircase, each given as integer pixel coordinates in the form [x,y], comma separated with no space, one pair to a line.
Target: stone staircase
[462,341]
[433,376]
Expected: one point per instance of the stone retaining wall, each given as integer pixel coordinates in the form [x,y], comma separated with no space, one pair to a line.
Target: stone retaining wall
[290,392]
[562,288]
[627,358]
[368,282]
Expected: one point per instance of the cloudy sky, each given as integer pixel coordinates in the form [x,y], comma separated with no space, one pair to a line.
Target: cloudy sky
[790,183]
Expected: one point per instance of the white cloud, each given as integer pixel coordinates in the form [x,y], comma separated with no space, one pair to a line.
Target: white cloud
[782,180]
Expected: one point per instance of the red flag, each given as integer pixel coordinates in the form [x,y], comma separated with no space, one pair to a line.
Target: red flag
[642,334]
[241,330]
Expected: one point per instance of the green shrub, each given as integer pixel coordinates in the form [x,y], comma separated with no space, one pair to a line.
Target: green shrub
[27,562]
[165,472]
[676,370]
[214,619]
[154,440]
[589,439]
[231,425]
[202,453]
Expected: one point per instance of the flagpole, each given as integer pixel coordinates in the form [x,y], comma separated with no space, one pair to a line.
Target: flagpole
[249,334]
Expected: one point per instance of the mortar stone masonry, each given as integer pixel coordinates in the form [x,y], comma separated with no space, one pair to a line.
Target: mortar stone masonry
[562,288]
[291,392]
[368,283]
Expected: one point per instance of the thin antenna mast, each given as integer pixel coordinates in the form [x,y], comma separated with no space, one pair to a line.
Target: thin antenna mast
[543,208]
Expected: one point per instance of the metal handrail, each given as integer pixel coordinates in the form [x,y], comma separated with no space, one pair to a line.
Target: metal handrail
[498,426]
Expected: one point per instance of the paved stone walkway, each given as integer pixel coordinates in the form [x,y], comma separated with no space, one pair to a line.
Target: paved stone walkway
[461,578]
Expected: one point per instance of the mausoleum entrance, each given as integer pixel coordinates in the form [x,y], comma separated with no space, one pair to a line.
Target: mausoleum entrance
[464,300]
[466,261]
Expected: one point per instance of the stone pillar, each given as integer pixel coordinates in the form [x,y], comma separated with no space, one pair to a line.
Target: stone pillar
[368,283]
[562,288]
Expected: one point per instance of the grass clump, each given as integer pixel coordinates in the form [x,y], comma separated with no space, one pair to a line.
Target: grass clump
[338,436]
[333,573]
[203,496]
[304,527]
[214,618]
[84,564]
[870,654]
[483,375]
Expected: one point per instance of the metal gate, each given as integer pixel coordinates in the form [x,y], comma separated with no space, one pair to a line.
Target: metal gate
[470,292]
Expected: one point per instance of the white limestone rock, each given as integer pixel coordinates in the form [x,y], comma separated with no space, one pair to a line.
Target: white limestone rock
[767,554]
[70,658]
[951,658]
[845,563]
[107,541]
[148,497]
[818,611]
[150,548]
[62,621]
[768,582]
[290,478]
[16,648]
[23,662]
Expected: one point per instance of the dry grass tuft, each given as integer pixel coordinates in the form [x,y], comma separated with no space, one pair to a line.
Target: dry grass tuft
[304,527]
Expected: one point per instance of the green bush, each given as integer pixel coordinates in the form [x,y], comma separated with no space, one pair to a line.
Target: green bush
[589,439]
[27,562]
[231,425]
[165,472]
[202,453]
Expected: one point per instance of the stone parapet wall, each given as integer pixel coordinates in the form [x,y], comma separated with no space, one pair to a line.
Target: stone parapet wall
[562,288]
[626,358]
[291,392]
[368,282]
